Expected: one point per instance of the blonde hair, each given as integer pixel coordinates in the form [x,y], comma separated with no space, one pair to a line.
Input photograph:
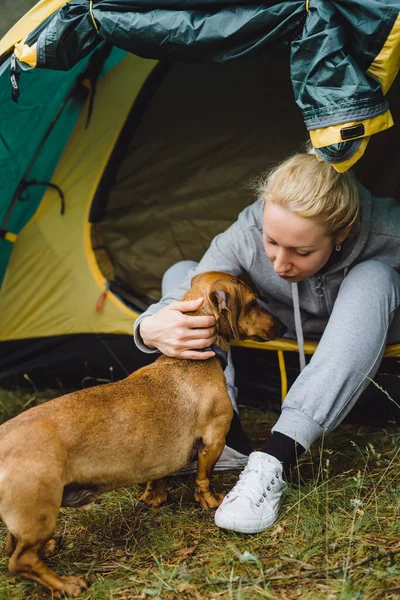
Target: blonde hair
[313,190]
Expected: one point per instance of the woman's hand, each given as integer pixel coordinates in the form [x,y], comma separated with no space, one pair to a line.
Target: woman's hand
[178,335]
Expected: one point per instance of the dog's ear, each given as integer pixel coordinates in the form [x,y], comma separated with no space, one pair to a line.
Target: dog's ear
[225,301]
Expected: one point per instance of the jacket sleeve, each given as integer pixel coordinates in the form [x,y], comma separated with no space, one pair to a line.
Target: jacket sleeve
[230,252]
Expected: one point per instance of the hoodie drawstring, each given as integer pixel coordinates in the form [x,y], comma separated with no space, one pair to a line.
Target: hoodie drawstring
[298,325]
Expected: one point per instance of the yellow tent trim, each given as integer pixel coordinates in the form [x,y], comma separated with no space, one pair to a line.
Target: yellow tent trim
[10,237]
[29,22]
[143,69]
[386,65]
[26,54]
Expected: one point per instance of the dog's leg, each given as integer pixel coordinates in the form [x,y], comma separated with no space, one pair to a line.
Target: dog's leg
[214,442]
[50,549]
[156,492]
[10,545]
[29,509]
[27,563]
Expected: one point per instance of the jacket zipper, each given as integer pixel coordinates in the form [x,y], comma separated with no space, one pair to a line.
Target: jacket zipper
[319,291]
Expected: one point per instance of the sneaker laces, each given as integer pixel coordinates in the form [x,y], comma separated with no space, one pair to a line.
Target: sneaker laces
[255,485]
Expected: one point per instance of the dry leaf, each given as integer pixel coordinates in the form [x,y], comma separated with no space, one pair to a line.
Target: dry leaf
[185,586]
[183,552]
[275,532]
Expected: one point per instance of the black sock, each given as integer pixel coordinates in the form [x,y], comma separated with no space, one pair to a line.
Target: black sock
[237,437]
[284,448]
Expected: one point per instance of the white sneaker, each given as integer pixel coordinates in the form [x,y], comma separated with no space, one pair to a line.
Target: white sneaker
[230,459]
[253,503]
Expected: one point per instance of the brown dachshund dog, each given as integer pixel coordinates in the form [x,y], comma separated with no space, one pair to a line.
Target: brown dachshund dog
[153,423]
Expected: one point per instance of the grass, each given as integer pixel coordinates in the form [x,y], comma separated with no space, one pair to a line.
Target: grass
[338,537]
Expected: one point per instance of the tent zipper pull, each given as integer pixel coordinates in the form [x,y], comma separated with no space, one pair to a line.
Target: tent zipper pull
[102,297]
[15,75]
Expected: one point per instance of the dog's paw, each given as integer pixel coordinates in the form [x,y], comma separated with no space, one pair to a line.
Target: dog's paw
[51,548]
[208,500]
[154,499]
[73,586]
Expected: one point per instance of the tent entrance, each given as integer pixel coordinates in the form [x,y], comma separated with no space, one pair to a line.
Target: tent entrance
[182,167]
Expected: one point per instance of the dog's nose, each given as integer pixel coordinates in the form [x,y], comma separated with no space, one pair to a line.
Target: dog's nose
[282,329]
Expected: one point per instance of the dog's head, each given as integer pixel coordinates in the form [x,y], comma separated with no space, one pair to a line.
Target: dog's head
[238,314]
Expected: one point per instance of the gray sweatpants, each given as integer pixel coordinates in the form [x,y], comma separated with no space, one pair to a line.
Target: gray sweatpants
[365,317]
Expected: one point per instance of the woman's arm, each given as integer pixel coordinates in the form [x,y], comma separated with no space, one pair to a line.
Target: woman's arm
[165,326]
[176,334]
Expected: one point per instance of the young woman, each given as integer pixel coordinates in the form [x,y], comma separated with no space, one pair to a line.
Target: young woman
[324,256]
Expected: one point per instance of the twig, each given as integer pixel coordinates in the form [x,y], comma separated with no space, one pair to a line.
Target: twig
[358,563]
[310,571]
[297,562]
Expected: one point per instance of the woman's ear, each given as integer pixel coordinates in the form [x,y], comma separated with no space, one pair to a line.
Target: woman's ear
[340,237]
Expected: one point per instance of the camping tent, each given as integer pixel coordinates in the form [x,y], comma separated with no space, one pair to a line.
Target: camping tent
[129,134]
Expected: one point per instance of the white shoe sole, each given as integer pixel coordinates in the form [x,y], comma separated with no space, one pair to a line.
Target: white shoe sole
[230,460]
[243,527]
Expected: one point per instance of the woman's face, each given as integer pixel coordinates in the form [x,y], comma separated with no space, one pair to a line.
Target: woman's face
[297,247]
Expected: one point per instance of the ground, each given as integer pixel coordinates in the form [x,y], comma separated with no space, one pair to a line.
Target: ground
[338,537]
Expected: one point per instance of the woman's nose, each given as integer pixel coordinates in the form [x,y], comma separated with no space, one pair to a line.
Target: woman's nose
[281,262]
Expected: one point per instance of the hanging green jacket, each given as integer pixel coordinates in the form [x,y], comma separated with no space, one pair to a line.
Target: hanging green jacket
[344,54]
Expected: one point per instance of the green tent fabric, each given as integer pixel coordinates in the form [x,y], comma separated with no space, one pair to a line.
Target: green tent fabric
[31,145]
[333,45]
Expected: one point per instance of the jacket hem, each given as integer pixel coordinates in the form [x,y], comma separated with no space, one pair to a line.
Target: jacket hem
[339,117]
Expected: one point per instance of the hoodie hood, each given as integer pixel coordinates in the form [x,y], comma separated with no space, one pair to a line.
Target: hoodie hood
[353,246]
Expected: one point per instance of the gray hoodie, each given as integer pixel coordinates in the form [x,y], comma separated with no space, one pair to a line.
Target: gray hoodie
[240,250]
